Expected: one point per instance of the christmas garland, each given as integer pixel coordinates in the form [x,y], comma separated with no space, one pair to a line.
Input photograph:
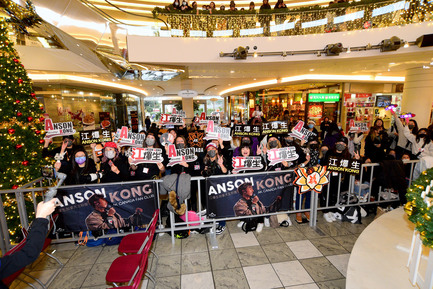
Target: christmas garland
[419,206]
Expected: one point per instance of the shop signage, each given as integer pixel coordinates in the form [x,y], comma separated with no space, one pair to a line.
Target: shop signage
[177,156]
[123,137]
[134,121]
[341,165]
[58,128]
[300,132]
[280,127]
[362,126]
[146,155]
[315,110]
[279,155]
[246,130]
[95,136]
[323,97]
[187,93]
[171,119]
[247,163]
[216,132]
[104,119]
[383,100]
[195,140]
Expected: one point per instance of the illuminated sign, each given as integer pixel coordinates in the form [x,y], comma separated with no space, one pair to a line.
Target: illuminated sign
[323,97]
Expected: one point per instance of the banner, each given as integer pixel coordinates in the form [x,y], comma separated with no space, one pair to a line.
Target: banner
[134,121]
[233,195]
[279,155]
[246,130]
[196,141]
[105,206]
[216,132]
[279,127]
[146,155]
[124,137]
[300,132]
[58,129]
[340,165]
[180,155]
[247,163]
[95,136]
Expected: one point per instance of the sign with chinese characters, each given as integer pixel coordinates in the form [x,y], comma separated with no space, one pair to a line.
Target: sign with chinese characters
[204,119]
[246,130]
[247,163]
[58,128]
[216,132]
[300,132]
[171,119]
[195,140]
[287,154]
[95,136]
[323,97]
[146,155]
[177,156]
[275,127]
[340,165]
[123,137]
[313,178]
[362,126]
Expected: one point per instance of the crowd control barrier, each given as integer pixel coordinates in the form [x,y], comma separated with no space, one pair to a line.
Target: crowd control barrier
[275,191]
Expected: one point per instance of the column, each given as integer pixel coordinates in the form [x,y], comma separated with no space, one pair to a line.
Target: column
[418,95]
[188,107]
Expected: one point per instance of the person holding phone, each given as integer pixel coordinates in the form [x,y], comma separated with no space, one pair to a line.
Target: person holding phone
[62,154]
[113,168]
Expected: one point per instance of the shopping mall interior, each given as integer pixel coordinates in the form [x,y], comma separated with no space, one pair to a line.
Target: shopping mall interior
[346,61]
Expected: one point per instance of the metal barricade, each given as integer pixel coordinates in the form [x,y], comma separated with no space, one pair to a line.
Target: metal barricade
[5,242]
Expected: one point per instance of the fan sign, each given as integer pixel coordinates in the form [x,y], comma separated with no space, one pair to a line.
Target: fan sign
[58,128]
[340,165]
[195,140]
[279,155]
[177,156]
[146,156]
[123,137]
[279,127]
[300,132]
[216,132]
[179,112]
[246,130]
[247,163]
[204,119]
[95,136]
[171,119]
[166,138]
[311,179]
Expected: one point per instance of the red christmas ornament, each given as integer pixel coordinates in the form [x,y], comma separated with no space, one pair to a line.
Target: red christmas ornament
[22,65]
[32,94]
[42,108]
[17,101]
[30,118]
[20,80]
[11,131]
[19,114]
[25,163]
[41,141]
[14,187]
[37,132]
[16,60]
[18,146]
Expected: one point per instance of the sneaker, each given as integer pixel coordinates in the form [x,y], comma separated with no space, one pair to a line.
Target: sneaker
[240,224]
[289,221]
[328,217]
[332,215]
[202,212]
[267,223]
[220,229]
[338,216]
[259,227]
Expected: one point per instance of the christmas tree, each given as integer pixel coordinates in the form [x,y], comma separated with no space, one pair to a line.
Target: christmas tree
[21,124]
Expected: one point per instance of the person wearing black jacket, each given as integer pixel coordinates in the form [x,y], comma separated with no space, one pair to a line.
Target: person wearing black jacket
[38,231]
[63,154]
[83,170]
[114,169]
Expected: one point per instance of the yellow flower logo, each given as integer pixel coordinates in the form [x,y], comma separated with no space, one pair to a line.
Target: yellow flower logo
[311,179]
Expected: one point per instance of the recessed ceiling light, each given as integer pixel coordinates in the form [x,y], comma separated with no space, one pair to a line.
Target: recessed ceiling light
[391,63]
[232,71]
[229,84]
[311,69]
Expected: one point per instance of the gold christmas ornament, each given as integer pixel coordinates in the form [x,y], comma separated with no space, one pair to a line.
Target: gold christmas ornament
[427,217]
[408,208]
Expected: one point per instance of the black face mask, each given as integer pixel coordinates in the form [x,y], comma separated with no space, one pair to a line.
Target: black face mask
[273,144]
[180,145]
[288,141]
[314,146]
[411,126]
[352,135]
[422,135]
[246,142]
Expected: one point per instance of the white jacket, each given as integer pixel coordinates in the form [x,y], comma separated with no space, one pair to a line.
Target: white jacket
[402,140]
[417,147]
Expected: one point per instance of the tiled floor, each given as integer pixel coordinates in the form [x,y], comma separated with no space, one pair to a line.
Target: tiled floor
[295,257]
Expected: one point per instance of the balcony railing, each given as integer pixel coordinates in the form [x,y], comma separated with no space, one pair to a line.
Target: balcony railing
[361,15]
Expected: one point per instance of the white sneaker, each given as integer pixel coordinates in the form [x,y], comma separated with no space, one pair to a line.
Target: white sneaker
[259,227]
[240,224]
[328,217]
[337,216]
[289,221]
[267,223]
[333,216]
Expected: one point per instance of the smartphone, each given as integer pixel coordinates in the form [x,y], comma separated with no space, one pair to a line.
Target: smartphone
[110,163]
[48,172]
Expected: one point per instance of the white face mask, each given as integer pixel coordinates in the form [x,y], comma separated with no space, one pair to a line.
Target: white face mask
[110,154]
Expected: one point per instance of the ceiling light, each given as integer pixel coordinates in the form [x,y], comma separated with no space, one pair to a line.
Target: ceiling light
[333,49]
[255,54]
[232,71]
[406,44]
[348,50]
[311,69]
[426,67]
[391,44]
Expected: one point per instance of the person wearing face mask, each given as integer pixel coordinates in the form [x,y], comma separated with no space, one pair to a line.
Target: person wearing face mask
[185,6]
[324,126]
[332,136]
[323,152]
[416,141]
[114,169]
[289,141]
[374,146]
[355,137]
[252,142]
[62,154]
[214,164]
[83,169]
[403,144]
[311,127]
[340,150]
[183,167]
[147,171]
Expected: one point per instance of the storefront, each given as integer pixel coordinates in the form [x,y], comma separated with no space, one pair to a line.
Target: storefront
[321,105]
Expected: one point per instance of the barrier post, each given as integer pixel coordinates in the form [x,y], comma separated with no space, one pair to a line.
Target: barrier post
[22,210]
[5,240]
[313,208]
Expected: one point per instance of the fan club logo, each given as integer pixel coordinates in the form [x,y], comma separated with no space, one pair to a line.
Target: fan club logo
[171,119]
[311,179]
[247,130]
[58,128]
[279,127]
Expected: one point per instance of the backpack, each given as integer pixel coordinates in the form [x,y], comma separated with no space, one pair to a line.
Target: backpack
[250,224]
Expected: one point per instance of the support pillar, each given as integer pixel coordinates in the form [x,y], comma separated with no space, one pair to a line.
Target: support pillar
[188,107]
[418,95]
